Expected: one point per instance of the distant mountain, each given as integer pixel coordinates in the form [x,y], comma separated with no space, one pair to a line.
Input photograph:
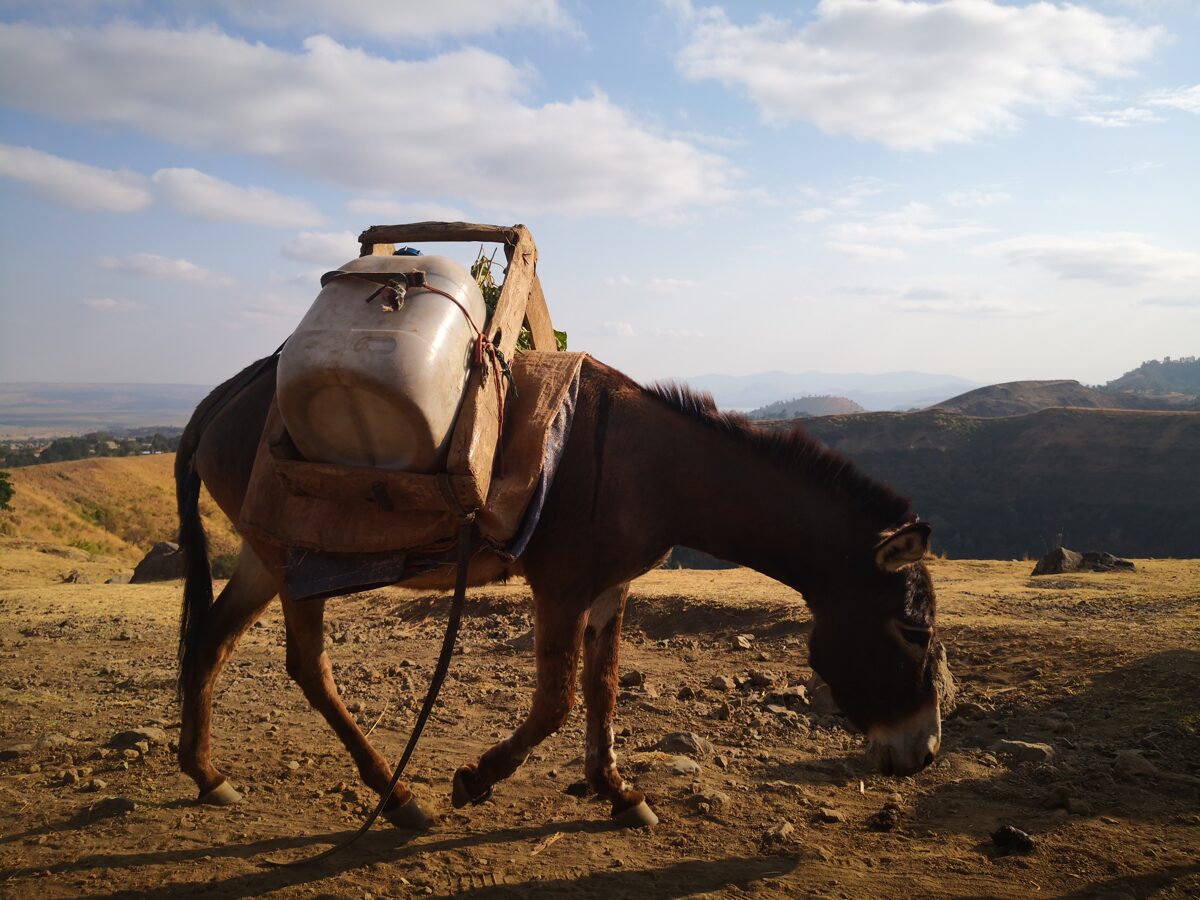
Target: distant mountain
[887,391]
[1124,481]
[35,408]
[803,407]
[1170,376]
[1016,398]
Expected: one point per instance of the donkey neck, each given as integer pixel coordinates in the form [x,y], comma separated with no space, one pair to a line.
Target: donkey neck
[793,518]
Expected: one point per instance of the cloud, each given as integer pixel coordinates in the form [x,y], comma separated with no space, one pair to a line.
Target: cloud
[915,75]
[109,304]
[330,248]
[198,194]
[402,22]
[1122,118]
[1184,98]
[75,184]
[867,252]
[403,211]
[1117,259]
[1136,168]
[347,116]
[620,329]
[1191,301]
[656,285]
[967,306]
[978,197]
[149,265]
[916,223]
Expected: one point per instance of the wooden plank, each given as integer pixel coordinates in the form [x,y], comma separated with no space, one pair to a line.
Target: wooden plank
[441,231]
[376,249]
[537,319]
[473,447]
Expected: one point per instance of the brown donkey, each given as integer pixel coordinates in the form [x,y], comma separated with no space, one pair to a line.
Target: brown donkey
[643,469]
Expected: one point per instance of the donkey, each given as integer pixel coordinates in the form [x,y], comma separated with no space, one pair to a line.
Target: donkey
[643,469]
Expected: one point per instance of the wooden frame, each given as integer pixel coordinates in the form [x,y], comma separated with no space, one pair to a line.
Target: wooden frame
[521,304]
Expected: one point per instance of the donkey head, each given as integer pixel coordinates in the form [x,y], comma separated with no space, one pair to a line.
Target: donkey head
[873,642]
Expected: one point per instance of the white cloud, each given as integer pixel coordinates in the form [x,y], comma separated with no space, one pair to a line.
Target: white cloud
[916,75]
[1191,301]
[1115,259]
[1184,98]
[814,214]
[656,285]
[274,307]
[402,22]
[620,329]
[150,265]
[1121,118]
[916,223]
[867,252]
[327,111]
[1136,168]
[967,306]
[75,184]
[109,304]
[198,194]
[331,248]
[978,197]
[403,211]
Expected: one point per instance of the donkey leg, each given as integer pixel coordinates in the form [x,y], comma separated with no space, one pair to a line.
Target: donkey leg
[558,634]
[308,665]
[236,609]
[601,640]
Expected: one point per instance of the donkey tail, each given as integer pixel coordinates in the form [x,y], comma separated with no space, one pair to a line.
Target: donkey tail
[193,543]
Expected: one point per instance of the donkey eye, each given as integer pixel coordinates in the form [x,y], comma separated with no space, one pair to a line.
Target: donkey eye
[917,635]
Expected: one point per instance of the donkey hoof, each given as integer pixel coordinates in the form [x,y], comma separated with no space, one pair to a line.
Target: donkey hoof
[639,816]
[463,794]
[222,795]
[409,815]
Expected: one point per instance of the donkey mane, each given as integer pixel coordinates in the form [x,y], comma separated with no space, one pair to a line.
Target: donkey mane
[794,448]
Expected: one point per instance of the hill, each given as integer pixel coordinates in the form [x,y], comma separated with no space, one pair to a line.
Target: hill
[802,407]
[885,391]
[1125,481]
[1014,398]
[1169,376]
[117,506]
[43,409]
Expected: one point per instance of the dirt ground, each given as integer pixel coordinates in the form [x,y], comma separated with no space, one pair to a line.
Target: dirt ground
[1100,671]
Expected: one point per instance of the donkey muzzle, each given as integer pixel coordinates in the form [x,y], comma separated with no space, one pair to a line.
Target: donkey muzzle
[909,745]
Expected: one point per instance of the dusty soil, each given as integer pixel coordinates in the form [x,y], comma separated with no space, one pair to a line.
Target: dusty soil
[1101,669]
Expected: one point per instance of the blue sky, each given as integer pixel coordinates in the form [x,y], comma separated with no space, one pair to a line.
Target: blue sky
[993,190]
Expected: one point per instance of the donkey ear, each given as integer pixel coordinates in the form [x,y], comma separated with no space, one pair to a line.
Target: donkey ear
[903,547]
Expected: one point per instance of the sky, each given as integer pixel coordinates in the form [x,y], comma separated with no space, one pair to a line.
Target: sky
[998,191]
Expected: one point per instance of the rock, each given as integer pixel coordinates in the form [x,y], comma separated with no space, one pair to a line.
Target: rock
[53,739]
[1077,807]
[96,784]
[681,765]
[76,577]
[721,683]
[776,709]
[633,678]
[762,679]
[105,809]
[14,751]
[708,802]
[685,693]
[1024,751]
[780,833]
[886,819]
[820,697]
[164,562]
[1012,839]
[354,707]
[1061,560]
[830,815]
[721,712]
[151,734]
[1130,763]
[117,579]
[685,742]
[578,788]
[743,642]
[1057,797]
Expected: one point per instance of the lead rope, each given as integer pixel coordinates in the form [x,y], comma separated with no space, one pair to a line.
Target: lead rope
[465,547]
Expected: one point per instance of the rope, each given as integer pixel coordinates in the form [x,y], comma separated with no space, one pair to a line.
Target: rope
[465,547]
